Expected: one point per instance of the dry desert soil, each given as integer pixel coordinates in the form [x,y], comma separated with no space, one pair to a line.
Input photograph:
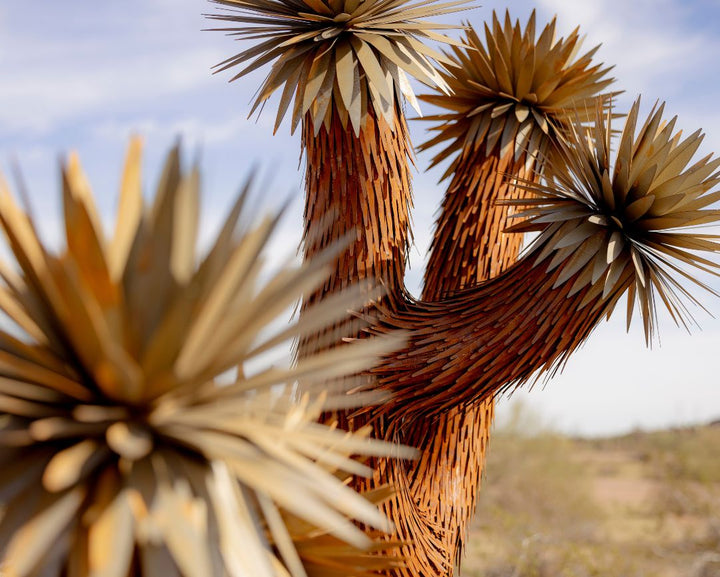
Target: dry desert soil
[645,504]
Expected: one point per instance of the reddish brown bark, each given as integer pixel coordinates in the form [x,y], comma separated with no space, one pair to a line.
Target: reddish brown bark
[469,246]
[359,185]
[356,186]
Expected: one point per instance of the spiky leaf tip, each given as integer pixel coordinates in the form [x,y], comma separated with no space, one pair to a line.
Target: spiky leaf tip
[344,56]
[121,451]
[632,223]
[513,93]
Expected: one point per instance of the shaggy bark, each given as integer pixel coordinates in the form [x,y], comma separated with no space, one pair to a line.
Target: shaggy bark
[359,185]
[356,187]
[468,247]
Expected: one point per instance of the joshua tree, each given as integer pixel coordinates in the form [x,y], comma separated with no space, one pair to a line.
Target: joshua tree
[121,453]
[124,454]
[605,231]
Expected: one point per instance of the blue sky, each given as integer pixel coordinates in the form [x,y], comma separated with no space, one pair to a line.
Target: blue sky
[84,76]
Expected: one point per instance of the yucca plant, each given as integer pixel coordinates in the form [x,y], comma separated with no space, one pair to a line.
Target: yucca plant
[343,66]
[143,430]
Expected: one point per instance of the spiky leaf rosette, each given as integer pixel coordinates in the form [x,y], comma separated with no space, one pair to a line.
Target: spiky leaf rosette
[514,93]
[350,55]
[632,224]
[325,555]
[120,452]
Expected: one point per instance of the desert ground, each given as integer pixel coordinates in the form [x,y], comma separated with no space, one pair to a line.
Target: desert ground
[643,504]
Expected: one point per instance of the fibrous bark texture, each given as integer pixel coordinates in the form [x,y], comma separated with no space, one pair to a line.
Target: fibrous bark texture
[486,339]
[469,246]
[360,186]
[357,187]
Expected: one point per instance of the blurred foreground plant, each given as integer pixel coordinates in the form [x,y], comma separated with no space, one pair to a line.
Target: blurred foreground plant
[120,452]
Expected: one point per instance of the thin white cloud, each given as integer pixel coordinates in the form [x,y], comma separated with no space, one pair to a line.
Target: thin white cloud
[39,98]
[102,64]
[651,42]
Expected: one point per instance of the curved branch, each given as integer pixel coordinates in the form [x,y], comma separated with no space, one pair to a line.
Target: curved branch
[485,339]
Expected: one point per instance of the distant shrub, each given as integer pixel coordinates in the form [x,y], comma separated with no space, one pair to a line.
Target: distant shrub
[541,512]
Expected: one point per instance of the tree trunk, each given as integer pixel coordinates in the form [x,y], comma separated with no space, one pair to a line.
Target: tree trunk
[469,245]
[357,186]
[462,350]
[360,185]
